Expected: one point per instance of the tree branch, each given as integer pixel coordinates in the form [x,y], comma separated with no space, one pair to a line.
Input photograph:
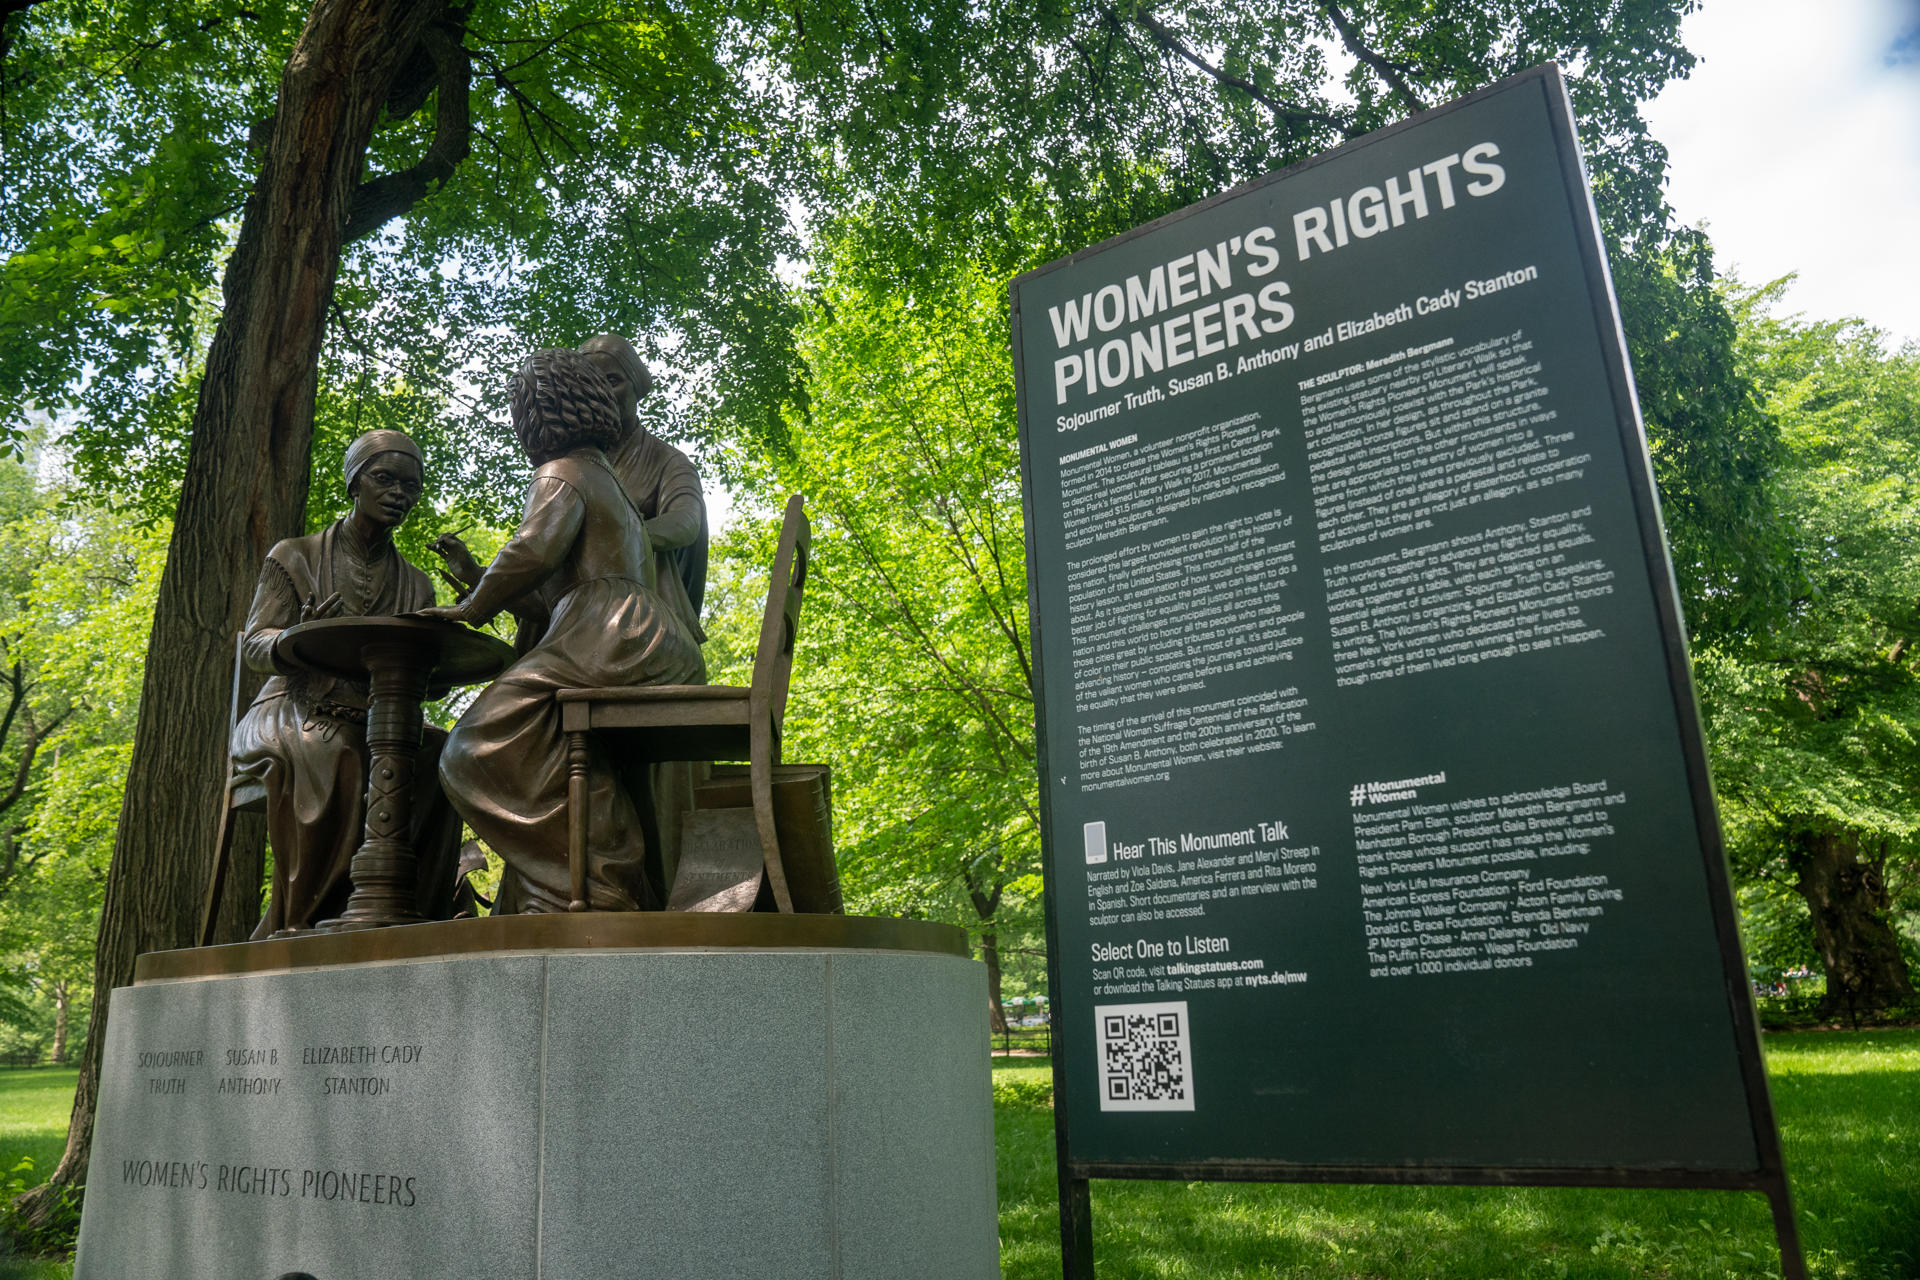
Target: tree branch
[381,199]
[17,695]
[985,902]
[10,856]
[1172,43]
[1094,77]
[28,750]
[529,109]
[1391,72]
[1008,621]
[928,645]
[551,42]
[936,459]
[141,48]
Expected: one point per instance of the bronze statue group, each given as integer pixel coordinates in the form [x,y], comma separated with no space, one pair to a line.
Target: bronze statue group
[603,577]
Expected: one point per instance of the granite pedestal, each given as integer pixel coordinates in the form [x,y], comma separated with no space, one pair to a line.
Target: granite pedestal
[554,1098]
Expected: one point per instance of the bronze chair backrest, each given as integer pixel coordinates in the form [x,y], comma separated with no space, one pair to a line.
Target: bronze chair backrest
[773,658]
[233,703]
[236,794]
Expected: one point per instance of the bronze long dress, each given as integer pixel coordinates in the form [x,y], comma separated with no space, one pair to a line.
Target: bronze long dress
[305,737]
[665,489]
[581,548]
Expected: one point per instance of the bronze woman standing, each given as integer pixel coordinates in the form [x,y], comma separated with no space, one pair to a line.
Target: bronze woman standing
[660,480]
[580,558]
[665,489]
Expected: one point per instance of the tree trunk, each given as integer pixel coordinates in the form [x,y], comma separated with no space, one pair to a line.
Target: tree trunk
[1849,902]
[245,488]
[62,998]
[986,901]
[240,905]
[996,1007]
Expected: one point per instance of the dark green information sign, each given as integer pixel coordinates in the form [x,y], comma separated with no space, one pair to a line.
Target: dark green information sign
[1378,835]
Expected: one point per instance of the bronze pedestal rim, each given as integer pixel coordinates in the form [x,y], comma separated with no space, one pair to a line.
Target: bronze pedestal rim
[590,931]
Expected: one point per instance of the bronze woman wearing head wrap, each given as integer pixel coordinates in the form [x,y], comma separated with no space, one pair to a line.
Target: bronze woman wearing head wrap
[304,737]
[375,444]
[580,558]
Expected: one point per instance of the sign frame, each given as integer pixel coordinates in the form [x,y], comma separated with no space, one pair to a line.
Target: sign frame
[1768,1176]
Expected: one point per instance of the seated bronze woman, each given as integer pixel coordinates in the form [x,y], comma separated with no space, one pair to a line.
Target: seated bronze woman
[305,736]
[579,569]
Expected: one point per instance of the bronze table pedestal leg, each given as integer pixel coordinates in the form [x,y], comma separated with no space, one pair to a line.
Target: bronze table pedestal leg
[385,869]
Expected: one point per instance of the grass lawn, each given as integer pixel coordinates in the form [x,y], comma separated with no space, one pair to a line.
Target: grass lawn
[34,1105]
[1849,1105]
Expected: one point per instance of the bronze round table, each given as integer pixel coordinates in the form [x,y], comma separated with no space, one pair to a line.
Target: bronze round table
[404,661]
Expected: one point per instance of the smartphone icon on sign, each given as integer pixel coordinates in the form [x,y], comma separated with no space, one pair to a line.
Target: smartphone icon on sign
[1096,833]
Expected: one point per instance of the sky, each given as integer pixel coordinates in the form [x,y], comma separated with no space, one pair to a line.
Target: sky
[1796,144]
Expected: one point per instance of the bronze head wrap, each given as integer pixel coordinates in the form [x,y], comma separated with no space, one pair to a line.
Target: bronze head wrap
[372,445]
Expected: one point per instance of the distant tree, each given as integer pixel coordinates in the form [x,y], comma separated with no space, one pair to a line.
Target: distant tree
[76,591]
[1713,444]
[47,925]
[1815,719]
[77,596]
[33,711]
[916,674]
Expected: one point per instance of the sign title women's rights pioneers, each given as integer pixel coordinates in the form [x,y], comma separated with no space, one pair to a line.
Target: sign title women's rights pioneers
[1249,299]
[1366,730]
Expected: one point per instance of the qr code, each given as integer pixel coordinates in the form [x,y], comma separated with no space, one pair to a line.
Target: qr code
[1146,1060]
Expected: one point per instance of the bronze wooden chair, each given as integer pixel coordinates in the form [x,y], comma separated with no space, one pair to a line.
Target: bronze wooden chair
[239,795]
[697,722]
